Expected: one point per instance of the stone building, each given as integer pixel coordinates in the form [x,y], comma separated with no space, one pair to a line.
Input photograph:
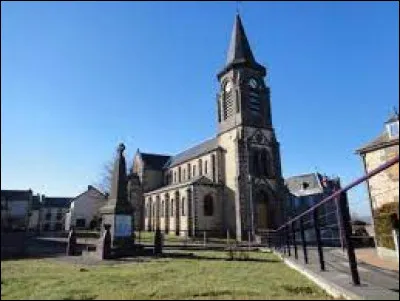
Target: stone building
[383,188]
[232,181]
[310,189]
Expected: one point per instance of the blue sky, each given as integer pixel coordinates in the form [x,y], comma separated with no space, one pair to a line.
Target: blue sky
[79,77]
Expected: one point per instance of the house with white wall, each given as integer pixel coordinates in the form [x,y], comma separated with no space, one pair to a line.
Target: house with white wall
[83,211]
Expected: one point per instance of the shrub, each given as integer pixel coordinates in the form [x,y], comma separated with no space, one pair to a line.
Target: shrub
[383,224]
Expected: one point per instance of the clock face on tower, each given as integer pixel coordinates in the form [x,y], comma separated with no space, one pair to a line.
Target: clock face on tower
[253,83]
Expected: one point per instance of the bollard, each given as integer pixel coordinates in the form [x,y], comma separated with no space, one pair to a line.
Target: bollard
[158,242]
[71,245]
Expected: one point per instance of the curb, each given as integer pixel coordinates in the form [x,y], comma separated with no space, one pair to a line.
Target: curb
[329,287]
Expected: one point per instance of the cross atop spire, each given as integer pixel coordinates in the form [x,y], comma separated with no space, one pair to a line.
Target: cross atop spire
[239,51]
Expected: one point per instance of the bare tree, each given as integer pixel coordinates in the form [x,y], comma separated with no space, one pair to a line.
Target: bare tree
[104,183]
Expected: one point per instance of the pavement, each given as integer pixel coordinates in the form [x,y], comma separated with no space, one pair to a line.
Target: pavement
[376,283]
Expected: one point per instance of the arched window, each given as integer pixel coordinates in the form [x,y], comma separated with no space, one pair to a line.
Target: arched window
[227,102]
[213,168]
[200,167]
[183,206]
[264,163]
[256,164]
[208,205]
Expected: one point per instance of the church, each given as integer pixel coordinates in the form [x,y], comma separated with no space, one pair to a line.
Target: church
[230,182]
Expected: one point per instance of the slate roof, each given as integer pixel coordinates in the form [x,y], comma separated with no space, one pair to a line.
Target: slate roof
[16,195]
[394,117]
[154,161]
[311,180]
[193,152]
[239,52]
[383,140]
[200,180]
[58,202]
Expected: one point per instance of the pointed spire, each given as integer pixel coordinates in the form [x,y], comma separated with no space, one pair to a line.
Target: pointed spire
[239,51]
[239,48]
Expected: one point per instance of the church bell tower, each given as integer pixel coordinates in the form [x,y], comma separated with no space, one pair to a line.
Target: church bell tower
[245,131]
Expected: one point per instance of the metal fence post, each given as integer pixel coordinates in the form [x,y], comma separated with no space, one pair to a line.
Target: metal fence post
[318,239]
[303,240]
[344,208]
[287,239]
[294,240]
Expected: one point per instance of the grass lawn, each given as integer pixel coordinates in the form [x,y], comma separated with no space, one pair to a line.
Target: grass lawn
[208,277]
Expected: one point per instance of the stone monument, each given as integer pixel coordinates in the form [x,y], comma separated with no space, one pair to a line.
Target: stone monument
[118,212]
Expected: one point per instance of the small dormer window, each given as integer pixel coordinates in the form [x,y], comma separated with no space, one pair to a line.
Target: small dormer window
[304,185]
[393,129]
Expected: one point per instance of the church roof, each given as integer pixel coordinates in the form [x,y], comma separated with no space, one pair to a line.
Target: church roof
[154,161]
[239,51]
[198,180]
[192,152]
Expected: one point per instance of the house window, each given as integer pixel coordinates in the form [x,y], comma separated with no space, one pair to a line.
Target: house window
[179,174]
[162,208]
[48,216]
[205,166]
[80,223]
[208,205]
[183,206]
[200,167]
[184,174]
[393,129]
[59,214]
[189,170]
[172,207]
[194,170]
[174,176]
